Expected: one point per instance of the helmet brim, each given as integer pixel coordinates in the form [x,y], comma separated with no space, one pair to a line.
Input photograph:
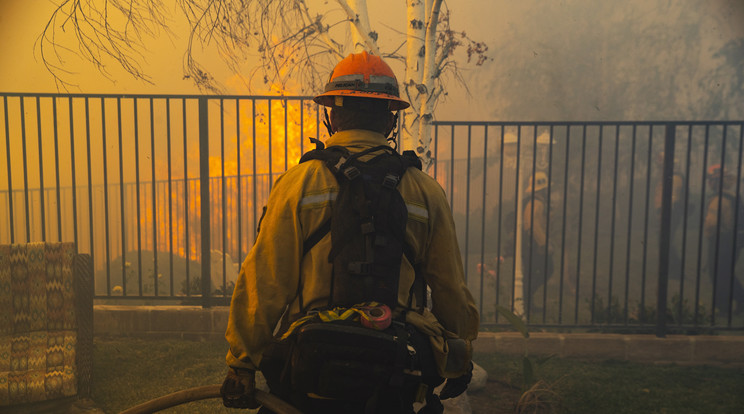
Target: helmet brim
[327,98]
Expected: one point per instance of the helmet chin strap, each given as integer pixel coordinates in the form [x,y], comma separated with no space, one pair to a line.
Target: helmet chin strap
[327,122]
[394,131]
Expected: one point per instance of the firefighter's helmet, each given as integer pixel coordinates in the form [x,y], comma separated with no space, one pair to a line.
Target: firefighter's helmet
[540,180]
[362,75]
[714,171]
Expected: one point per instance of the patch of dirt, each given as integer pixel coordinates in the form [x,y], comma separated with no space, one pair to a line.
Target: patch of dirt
[496,398]
[84,406]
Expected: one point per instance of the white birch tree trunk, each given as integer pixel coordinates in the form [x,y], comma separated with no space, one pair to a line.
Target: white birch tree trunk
[415,33]
[361,31]
[422,67]
[427,95]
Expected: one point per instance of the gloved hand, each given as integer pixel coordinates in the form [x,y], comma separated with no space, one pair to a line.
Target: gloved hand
[239,389]
[456,386]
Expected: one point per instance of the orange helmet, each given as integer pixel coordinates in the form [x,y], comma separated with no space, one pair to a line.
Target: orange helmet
[714,171]
[362,75]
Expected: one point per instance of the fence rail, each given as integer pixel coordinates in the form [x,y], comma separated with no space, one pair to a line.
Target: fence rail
[623,236]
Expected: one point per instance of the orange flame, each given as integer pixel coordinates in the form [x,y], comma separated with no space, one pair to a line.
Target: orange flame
[273,138]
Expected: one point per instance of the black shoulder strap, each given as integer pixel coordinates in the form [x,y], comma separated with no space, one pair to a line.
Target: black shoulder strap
[412,159]
[316,236]
[331,156]
[335,158]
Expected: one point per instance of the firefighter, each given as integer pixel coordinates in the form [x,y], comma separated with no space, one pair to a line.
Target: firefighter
[720,233]
[537,264]
[279,284]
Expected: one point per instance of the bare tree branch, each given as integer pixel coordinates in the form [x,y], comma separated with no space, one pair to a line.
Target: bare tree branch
[262,42]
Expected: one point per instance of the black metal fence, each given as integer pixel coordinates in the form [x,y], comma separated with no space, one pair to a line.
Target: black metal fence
[632,231]
[123,176]
[629,240]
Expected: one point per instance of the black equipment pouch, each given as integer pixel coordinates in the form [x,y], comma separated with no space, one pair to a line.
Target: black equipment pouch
[346,361]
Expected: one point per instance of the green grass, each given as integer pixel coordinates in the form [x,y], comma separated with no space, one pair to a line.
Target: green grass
[128,372]
[625,387]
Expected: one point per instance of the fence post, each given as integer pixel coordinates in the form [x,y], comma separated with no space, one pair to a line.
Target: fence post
[206,236]
[665,232]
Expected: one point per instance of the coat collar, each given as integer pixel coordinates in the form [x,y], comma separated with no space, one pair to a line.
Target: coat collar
[357,138]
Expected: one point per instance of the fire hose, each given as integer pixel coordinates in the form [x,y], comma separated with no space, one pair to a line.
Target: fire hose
[206,392]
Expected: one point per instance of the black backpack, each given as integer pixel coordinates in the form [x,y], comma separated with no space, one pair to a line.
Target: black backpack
[341,359]
[367,225]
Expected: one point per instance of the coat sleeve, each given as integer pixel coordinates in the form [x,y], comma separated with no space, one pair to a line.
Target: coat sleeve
[269,276]
[452,302]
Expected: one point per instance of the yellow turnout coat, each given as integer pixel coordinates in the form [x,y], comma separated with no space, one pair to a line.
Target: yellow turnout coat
[266,292]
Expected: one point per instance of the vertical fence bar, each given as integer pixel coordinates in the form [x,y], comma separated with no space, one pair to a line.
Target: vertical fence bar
[499,220]
[483,215]
[532,180]
[122,220]
[186,199]
[565,217]
[240,189]
[104,162]
[74,179]
[716,253]
[517,248]
[137,194]
[169,196]
[737,206]
[42,205]
[271,164]
[90,192]
[224,197]
[56,166]
[302,126]
[155,273]
[547,221]
[613,219]
[700,231]
[467,204]
[645,222]
[581,227]
[666,223]
[596,230]
[631,179]
[452,169]
[527,273]
[206,278]
[436,145]
[255,174]
[286,132]
[10,179]
[25,170]
[684,224]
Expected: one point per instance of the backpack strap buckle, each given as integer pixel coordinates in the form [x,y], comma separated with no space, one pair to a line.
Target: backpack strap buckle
[351,173]
[339,164]
[390,181]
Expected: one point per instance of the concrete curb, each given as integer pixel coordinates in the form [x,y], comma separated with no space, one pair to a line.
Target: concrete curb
[197,323]
[674,349]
